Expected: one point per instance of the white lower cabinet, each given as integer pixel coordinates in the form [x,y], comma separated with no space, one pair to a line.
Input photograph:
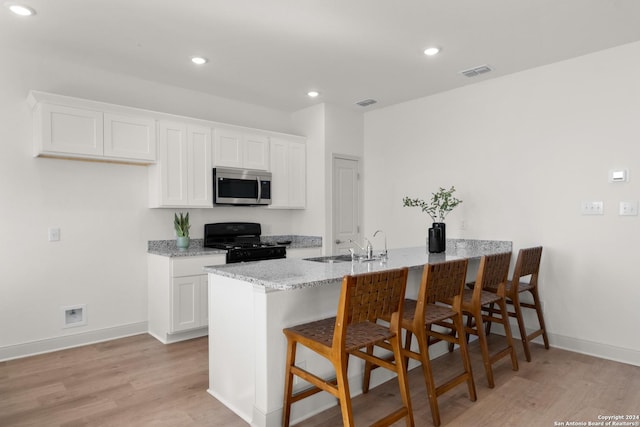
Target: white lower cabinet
[178,297]
[189,303]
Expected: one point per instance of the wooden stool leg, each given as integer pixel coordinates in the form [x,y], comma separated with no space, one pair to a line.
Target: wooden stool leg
[523,332]
[536,300]
[484,348]
[367,372]
[407,346]
[288,382]
[488,327]
[507,331]
[428,378]
[403,381]
[344,394]
[466,361]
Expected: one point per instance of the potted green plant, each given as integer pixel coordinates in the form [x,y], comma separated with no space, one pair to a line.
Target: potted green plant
[441,204]
[181,224]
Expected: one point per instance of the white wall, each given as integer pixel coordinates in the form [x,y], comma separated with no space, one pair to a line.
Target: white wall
[100,208]
[311,123]
[523,152]
[345,130]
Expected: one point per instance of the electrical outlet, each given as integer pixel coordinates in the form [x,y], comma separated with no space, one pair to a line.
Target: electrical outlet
[629,208]
[54,234]
[592,208]
[74,316]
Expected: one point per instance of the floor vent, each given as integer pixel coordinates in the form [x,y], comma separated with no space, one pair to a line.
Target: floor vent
[366,102]
[476,71]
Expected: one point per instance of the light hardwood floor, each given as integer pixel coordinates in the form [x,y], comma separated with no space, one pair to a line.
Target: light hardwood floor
[138,381]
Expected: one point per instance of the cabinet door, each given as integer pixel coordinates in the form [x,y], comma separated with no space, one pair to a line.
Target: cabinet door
[129,137]
[200,175]
[71,130]
[288,174]
[228,148]
[256,152]
[186,304]
[297,175]
[172,156]
[279,173]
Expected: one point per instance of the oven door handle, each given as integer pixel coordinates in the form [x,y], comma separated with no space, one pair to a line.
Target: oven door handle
[259,188]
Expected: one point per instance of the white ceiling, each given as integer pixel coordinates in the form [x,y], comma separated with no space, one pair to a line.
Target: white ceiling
[272,52]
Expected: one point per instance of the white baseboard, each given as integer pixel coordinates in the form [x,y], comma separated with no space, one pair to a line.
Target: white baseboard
[48,345]
[590,348]
[603,351]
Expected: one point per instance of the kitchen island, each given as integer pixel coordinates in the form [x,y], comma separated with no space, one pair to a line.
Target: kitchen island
[250,304]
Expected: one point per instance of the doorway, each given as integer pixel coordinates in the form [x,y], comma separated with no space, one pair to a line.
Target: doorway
[347,203]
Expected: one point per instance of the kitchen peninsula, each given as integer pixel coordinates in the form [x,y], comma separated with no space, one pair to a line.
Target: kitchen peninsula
[250,304]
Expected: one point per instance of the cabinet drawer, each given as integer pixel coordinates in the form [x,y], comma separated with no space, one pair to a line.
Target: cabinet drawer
[193,266]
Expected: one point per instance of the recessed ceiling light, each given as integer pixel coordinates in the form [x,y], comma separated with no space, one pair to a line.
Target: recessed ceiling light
[430,51]
[199,60]
[313,93]
[21,10]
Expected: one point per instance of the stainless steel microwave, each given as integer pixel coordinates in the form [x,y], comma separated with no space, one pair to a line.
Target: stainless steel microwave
[241,187]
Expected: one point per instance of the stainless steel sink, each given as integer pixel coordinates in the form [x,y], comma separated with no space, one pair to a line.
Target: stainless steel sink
[343,258]
[331,259]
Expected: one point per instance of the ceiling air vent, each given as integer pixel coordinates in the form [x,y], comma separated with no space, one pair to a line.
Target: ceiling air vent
[366,102]
[476,71]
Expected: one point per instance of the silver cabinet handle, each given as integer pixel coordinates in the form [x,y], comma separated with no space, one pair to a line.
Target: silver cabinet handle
[259,189]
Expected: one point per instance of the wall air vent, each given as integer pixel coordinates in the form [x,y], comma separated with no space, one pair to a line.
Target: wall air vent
[476,71]
[366,102]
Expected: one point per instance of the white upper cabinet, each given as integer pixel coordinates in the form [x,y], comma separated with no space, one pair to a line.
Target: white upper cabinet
[239,149]
[199,166]
[288,173]
[183,175]
[129,137]
[77,128]
[69,130]
[256,152]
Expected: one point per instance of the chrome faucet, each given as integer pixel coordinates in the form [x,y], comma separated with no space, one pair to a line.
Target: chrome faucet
[384,254]
[368,251]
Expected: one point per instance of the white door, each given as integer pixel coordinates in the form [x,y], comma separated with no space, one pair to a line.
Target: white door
[346,204]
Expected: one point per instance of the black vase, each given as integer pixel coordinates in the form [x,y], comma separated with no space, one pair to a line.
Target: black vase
[437,238]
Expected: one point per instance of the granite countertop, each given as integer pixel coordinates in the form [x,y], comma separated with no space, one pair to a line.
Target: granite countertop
[290,274]
[196,248]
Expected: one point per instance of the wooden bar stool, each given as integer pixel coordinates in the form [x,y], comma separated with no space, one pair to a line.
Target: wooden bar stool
[489,289]
[364,299]
[443,281]
[527,264]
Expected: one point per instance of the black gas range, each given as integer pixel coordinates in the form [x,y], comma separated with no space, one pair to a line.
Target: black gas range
[242,242]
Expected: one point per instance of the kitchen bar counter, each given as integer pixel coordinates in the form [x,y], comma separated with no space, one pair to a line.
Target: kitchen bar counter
[168,247]
[250,304]
[289,274]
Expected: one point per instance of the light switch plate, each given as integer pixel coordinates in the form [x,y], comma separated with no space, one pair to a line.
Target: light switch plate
[629,208]
[592,207]
[54,234]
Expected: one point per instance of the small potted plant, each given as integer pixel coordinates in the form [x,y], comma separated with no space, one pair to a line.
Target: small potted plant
[181,224]
[442,202]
